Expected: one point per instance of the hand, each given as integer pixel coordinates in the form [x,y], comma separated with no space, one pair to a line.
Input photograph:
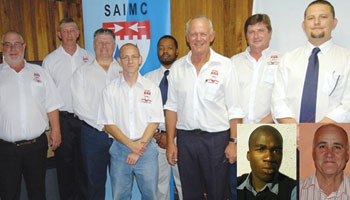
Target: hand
[171,153]
[132,158]
[55,139]
[161,140]
[138,147]
[231,152]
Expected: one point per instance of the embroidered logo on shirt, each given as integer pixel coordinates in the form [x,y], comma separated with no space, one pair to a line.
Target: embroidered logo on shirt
[146,97]
[273,60]
[36,77]
[213,77]
[85,59]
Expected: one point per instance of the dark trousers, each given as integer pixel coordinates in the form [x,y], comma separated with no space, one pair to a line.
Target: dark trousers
[95,149]
[202,164]
[233,181]
[28,160]
[71,176]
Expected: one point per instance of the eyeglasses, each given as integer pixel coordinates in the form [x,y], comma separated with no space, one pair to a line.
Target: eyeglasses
[15,44]
[133,57]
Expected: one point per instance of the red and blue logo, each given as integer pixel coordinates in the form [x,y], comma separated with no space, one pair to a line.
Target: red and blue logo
[135,32]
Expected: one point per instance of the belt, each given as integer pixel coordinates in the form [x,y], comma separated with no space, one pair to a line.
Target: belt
[22,142]
[66,114]
[201,132]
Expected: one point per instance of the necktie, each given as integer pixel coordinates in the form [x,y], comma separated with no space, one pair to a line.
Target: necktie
[308,100]
[163,85]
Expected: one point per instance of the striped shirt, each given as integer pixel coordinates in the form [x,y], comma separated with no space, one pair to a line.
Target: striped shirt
[310,190]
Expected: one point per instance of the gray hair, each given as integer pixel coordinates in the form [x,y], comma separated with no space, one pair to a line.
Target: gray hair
[199,17]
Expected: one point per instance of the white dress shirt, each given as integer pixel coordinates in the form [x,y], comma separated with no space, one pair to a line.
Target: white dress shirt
[156,76]
[87,84]
[333,91]
[131,109]
[256,80]
[25,99]
[207,100]
[61,67]
[310,190]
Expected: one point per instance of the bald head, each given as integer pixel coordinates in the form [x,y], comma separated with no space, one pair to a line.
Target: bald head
[265,129]
[331,128]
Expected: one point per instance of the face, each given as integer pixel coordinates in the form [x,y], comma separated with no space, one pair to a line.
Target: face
[104,46]
[130,59]
[265,156]
[199,37]
[167,51]
[68,33]
[13,48]
[319,23]
[258,36]
[330,152]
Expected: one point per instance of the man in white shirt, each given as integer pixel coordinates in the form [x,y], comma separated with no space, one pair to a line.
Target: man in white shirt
[61,64]
[202,110]
[256,67]
[131,110]
[331,98]
[28,101]
[167,53]
[330,153]
[87,84]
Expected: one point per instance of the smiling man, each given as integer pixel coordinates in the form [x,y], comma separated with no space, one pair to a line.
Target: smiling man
[202,111]
[312,81]
[256,67]
[330,154]
[265,157]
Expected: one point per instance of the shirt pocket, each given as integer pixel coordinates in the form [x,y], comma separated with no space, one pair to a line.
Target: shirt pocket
[211,90]
[38,91]
[333,84]
[269,74]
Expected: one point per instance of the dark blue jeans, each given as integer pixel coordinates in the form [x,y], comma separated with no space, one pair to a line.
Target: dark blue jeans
[95,150]
[202,164]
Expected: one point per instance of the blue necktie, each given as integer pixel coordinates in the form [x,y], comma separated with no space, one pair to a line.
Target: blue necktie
[308,100]
[163,85]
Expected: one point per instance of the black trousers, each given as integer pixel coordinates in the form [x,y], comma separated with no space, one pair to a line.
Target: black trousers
[202,164]
[28,160]
[71,176]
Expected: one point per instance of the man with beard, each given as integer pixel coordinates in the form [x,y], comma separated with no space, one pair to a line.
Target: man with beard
[265,157]
[29,100]
[330,153]
[312,82]
[167,53]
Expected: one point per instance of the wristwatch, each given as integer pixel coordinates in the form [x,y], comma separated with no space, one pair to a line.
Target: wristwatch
[234,140]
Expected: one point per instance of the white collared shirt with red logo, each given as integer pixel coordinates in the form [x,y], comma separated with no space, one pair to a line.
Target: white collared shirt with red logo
[256,81]
[25,99]
[207,100]
[131,109]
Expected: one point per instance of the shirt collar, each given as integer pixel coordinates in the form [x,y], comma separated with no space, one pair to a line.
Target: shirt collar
[139,82]
[325,47]
[341,190]
[273,187]
[213,57]
[64,52]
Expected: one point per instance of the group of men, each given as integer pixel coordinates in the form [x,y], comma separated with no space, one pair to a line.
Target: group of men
[103,112]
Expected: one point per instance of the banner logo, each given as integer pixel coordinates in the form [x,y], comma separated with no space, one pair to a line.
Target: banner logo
[135,32]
